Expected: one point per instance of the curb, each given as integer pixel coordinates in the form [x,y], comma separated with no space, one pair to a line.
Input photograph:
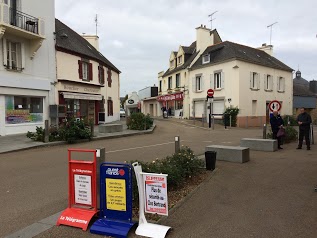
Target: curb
[56,143]
[188,196]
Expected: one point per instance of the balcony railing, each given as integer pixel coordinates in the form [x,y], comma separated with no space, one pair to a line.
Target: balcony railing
[24,21]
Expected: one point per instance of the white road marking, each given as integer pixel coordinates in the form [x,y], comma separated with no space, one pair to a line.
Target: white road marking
[139,147]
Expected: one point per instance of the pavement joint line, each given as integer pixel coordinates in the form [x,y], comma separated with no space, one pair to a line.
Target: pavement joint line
[140,147]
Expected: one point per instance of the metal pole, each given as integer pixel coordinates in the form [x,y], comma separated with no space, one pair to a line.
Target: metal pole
[224,115]
[202,120]
[212,112]
[213,122]
[101,158]
[177,144]
[264,131]
[46,133]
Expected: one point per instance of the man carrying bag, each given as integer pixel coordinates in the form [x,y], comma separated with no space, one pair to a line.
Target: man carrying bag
[277,123]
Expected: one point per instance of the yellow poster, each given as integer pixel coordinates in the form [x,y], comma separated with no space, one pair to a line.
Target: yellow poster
[116,194]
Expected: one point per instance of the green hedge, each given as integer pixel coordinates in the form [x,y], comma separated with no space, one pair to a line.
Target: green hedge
[233,111]
[139,121]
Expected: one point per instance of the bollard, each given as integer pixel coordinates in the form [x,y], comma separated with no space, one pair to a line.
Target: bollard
[203,120]
[264,131]
[46,135]
[213,122]
[92,130]
[177,144]
[101,158]
[225,120]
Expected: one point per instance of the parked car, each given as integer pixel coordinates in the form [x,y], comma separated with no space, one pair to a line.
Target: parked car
[122,112]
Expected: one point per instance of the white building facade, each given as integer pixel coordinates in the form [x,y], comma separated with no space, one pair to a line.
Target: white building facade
[240,76]
[28,68]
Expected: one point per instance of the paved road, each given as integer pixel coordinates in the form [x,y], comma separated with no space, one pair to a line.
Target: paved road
[33,183]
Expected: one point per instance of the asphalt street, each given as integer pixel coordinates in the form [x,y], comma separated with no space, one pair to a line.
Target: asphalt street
[34,185]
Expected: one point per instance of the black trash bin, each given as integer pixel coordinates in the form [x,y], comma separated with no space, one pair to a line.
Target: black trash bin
[210,157]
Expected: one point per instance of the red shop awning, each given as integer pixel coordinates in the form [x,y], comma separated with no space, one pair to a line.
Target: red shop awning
[171,97]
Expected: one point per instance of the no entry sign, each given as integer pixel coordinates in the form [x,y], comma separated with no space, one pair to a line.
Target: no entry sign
[275,106]
[210,92]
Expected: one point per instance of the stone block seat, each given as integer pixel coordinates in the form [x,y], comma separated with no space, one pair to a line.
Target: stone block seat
[235,154]
[259,144]
[110,128]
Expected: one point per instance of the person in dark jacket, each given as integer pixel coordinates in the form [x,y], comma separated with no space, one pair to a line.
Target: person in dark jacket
[304,121]
[276,122]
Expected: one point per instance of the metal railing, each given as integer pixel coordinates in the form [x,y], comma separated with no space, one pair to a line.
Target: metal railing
[24,21]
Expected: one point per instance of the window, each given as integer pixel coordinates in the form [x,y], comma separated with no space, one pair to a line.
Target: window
[179,59]
[160,86]
[101,74]
[85,70]
[14,55]
[170,82]
[109,79]
[178,78]
[281,84]
[268,82]
[206,59]
[198,84]
[217,78]
[171,64]
[254,81]
[178,105]
[110,107]
[22,109]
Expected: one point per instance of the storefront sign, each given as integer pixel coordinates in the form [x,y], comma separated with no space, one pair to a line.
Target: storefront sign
[82,189]
[69,87]
[171,97]
[156,193]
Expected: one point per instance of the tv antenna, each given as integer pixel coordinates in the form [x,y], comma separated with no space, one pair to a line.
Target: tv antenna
[96,21]
[271,31]
[211,19]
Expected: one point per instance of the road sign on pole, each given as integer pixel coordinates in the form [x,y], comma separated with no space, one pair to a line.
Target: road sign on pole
[275,106]
[210,93]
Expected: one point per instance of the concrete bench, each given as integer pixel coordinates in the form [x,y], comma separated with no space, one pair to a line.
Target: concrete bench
[235,154]
[259,144]
[110,128]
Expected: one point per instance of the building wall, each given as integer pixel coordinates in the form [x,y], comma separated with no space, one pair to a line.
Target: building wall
[67,68]
[247,95]
[39,69]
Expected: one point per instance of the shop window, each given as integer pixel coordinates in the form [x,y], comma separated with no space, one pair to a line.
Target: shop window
[21,109]
[110,107]
[101,74]
[178,105]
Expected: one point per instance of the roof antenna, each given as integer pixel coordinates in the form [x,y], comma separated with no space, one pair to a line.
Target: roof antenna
[271,31]
[211,19]
[96,21]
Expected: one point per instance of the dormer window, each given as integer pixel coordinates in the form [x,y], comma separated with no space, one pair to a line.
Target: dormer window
[206,59]
[171,63]
[179,59]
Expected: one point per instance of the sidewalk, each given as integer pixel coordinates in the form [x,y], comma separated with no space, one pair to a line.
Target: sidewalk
[18,142]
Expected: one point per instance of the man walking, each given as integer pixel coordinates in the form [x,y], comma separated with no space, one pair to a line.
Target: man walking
[276,122]
[304,121]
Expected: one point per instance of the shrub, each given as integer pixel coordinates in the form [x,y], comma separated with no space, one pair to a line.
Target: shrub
[233,111]
[291,119]
[70,131]
[179,167]
[291,134]
[138,121]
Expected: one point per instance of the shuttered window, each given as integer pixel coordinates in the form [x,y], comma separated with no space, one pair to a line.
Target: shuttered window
[85,70]
[110,107]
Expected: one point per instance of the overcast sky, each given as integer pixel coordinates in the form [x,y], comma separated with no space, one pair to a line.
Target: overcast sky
[137,36]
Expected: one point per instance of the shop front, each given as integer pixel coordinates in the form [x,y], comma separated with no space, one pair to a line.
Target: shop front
[173,103]
[80,101]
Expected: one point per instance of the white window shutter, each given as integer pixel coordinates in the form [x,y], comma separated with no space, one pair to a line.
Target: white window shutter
[4,41]
[194,84]
[271,83]
[22,56]
[258,83]
[278,83]
[283,84]
[212,81]
[202,83]
[251,77]
[222,80]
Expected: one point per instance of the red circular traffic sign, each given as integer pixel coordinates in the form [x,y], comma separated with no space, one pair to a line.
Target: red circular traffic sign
[210,92]
[275,106]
